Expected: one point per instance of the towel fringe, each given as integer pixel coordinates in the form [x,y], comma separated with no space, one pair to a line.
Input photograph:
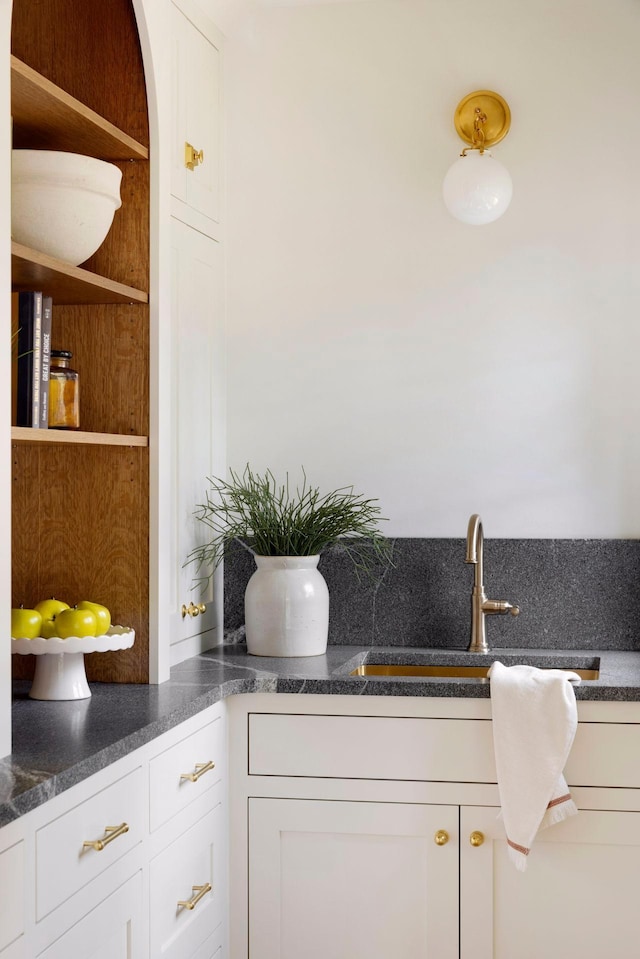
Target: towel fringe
[556,814]
[518,859]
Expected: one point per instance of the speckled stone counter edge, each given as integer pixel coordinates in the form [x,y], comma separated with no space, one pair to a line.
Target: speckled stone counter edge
[57,745]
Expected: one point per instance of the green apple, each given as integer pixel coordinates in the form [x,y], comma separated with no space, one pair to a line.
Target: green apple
[101,613]
[25,623]
[76,622]
[49,609]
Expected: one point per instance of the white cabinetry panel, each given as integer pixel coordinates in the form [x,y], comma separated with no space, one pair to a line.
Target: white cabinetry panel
[352,880]
[198,396]
[196,107]
[110,931]
[64,863]
[170,790]
[176,875]
[11,894]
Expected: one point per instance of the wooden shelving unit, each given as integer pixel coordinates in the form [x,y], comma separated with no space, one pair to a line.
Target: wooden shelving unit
[81,498]
[23,434]
[44,115]
[68,285]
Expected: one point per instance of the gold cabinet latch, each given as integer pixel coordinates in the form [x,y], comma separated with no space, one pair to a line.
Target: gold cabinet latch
[192,157]
[193,610]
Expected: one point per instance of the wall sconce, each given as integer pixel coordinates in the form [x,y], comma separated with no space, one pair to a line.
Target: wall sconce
[477,189]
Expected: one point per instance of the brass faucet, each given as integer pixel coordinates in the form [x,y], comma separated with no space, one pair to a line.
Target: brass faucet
[480,605]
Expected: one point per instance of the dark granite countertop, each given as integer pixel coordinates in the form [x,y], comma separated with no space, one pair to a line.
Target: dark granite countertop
[58,744]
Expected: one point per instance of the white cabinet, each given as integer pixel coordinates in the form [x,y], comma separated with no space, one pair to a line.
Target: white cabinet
[187,882]
[197,429]
[578,896]
[75,886]
[113,930]
[196,117]
[359,834]
[12,909]
[351,879]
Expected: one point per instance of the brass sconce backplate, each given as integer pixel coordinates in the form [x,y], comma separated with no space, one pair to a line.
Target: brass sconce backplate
[496,113]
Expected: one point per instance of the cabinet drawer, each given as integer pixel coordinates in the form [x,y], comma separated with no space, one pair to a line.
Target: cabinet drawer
[12,897]
[357,747]
[170,788]
[64,863]
[195,859]
[446,750]
[113,930]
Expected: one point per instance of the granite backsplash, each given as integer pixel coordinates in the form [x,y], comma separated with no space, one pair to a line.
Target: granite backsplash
[573,594]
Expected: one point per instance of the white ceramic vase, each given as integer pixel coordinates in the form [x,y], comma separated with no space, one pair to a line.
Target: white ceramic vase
[286,607]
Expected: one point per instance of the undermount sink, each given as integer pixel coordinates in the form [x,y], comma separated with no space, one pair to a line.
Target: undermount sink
[426,665]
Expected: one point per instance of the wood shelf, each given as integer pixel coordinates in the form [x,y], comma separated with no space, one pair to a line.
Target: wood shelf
[24,434]
[68,285]
[45,117]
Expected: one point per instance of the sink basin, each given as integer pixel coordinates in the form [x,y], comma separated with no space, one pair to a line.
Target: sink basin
[443,665]
[450,672]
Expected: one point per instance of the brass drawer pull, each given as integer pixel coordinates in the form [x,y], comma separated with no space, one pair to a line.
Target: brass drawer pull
[199,892]
[111,833]
[441,838]
[201,769]
[476,838]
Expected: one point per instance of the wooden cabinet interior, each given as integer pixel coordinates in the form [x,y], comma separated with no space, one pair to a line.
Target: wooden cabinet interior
[81,511]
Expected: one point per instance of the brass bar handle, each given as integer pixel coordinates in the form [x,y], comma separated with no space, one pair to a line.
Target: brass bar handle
[441,838]
[476,838]
[111,833]
[201,769]
[193,609]
[199,891]
[192,157]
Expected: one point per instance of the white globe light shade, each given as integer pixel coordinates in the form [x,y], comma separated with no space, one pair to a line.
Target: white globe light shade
[477,189]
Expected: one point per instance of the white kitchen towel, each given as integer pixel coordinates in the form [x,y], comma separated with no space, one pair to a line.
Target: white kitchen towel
[534,724]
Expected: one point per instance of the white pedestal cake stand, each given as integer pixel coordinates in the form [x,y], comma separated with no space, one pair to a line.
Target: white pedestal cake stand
[60,672]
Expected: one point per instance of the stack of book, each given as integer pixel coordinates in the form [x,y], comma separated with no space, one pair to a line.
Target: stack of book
[32,321]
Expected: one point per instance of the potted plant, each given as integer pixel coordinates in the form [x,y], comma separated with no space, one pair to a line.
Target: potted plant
[287,599]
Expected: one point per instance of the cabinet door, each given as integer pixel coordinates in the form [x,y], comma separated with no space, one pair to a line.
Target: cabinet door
[196,116]
[113,930]
[191,870]
[352,880]
[577,897]
[198,441]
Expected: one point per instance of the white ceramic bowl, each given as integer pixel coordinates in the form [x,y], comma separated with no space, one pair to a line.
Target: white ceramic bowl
[62,203]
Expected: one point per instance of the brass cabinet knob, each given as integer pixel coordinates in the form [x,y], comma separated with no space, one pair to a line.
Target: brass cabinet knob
[476,838]
[193,609]
[192,157]
[441,838]
[198,893]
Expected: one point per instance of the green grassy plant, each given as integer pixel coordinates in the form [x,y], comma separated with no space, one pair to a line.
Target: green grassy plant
[272,519]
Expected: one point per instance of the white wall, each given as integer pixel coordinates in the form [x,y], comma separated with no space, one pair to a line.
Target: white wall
[443,368]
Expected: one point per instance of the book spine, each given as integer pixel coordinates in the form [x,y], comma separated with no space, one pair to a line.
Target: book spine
[29,363]
[24,398]
[37,359]
[45,359]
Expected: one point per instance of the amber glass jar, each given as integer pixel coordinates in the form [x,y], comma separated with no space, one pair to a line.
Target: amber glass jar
[64,392]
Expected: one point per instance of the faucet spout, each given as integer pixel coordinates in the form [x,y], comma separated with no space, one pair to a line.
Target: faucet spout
[480,605]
